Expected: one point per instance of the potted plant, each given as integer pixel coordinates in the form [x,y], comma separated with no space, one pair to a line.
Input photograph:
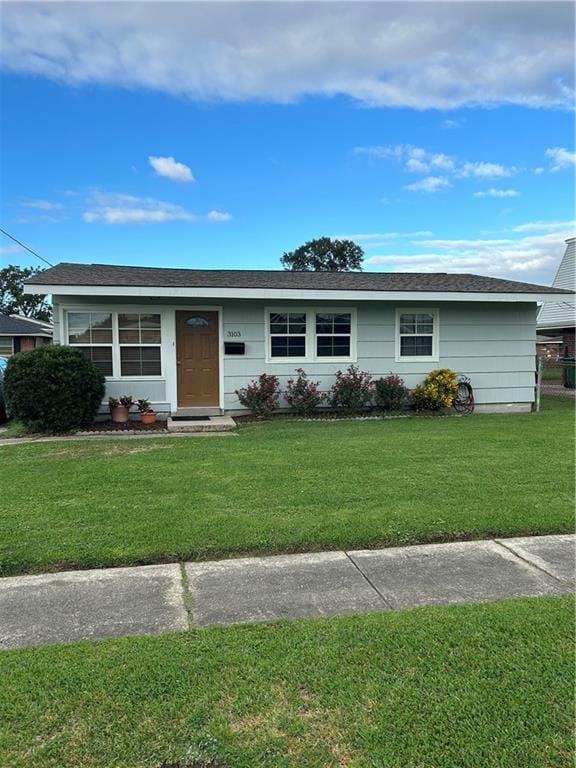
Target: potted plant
[120,408]
[147,414]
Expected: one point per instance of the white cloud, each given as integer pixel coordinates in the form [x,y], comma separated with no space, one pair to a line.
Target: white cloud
[547,226]
[128,209]
[429,184]
[7,250]
[530,252]
[433,55]
[497,193]
[420,160]
[538,171]
[486,170]
[450,124]
[169,167]
[561,158]
[42,205]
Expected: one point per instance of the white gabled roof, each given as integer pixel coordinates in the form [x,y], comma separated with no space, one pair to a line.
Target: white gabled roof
[561,313]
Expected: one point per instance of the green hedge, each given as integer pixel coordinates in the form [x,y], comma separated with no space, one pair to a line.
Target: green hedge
[53,388]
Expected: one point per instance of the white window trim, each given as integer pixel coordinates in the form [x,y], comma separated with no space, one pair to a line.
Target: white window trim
[435,356]
[311,356]
[115,345]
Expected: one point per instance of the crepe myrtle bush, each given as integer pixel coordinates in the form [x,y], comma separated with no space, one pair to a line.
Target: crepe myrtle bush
[260,396]
[53,388]
[438,390]
[303,395]
[390,393]
[352,391]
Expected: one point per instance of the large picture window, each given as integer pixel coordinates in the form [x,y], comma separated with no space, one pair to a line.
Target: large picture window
[139,336]
[92,333]
[119,344]
[310,334]
[417,335]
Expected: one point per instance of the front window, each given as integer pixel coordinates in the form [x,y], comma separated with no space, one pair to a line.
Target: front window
[119,344]
[91,332]
[333,333]
[139,337]
[287,334]
[417,335]
[6,346]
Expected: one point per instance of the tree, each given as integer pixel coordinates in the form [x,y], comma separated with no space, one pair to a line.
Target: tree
[324,255]
[13,300]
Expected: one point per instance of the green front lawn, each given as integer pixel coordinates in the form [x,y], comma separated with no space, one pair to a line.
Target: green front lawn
[478,686]
[286,486]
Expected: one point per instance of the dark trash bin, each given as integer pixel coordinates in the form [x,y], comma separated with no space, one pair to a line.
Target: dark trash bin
[569,365]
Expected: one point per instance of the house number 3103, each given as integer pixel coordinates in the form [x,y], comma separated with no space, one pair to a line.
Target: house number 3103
[234,334]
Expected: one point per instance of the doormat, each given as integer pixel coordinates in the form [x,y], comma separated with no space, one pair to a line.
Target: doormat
[190,418]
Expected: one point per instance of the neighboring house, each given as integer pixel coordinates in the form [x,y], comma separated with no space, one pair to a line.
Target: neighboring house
[17,334]
[557,318]
[187,339]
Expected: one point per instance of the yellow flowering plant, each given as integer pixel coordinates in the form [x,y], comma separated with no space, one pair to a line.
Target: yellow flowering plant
[438,390]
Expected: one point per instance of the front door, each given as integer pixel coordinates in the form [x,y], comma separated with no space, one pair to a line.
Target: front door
[197,358]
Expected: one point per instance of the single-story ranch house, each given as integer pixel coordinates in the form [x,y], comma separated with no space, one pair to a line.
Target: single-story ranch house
[186,339]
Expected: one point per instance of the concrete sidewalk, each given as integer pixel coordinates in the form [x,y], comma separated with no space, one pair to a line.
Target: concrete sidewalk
[112,602]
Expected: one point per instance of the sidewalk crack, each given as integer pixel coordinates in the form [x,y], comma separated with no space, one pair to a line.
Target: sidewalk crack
[526,560]
[187,596]
[369,582]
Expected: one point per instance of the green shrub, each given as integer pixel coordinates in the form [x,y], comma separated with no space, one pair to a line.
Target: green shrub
[53,388]
[352,391]
[390,393]
[438,390]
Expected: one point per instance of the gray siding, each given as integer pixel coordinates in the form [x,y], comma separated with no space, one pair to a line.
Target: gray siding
[492,343]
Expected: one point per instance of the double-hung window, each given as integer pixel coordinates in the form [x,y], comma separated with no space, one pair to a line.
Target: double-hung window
[92,333]
[119,343]
[333,334]
[6,346]
[417,334]
[139,338]
[287,334]
[310,334]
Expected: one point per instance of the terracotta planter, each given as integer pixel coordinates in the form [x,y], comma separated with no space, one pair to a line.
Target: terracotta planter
[148,418]
[120,414]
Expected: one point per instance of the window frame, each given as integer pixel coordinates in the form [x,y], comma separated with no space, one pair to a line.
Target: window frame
[311,355]
[11,339]
[138,345]
[435,356]
[115,345]
[84,345]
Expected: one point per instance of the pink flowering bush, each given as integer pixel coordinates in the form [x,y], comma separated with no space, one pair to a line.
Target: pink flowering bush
[303,395]
[352,391]
[391,393]
[260,396]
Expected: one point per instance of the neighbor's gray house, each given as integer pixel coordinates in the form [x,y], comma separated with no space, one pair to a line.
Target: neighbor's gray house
[17,334]
[557,317]
[186,339]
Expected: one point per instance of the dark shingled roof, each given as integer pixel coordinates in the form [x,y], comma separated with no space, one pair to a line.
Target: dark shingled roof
[152,277]
[14,326]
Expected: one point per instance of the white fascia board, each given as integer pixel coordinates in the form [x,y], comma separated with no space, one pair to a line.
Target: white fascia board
[286,294]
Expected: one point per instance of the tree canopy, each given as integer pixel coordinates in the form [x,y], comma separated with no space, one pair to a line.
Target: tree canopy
[324,255]
[13,300]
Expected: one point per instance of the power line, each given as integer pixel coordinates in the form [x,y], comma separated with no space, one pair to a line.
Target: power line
[26,247]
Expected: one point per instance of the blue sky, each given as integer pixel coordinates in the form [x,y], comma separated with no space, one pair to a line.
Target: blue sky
[245,150]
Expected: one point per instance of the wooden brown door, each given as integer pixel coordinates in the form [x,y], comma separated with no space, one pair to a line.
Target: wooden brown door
[197,357]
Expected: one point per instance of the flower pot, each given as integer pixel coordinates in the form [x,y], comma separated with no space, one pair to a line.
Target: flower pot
[148,418]
[119,414]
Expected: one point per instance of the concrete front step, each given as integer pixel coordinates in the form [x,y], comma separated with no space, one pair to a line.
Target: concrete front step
[211,424]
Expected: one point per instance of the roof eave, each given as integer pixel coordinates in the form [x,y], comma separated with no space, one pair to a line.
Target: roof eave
[276,294]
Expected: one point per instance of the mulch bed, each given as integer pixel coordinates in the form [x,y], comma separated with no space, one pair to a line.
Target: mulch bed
[129,426]
[337,416]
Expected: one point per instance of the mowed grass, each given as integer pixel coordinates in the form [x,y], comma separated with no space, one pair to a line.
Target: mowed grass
[478,686]
[286,486]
